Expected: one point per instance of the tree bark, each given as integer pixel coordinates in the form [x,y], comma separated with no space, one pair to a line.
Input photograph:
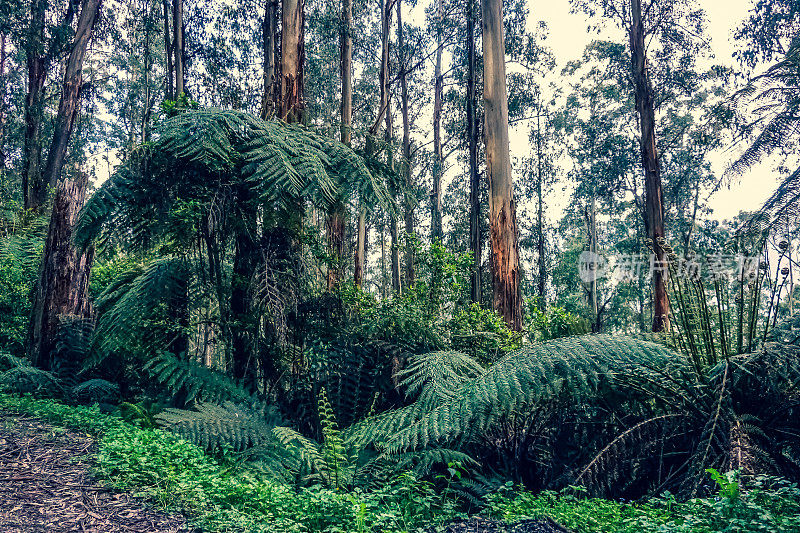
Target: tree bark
[475,244]
[177,40]
[170,81]
[33,189]
[361,238]
[337,217]
[502,207]
[268,29]
[346,66]
[654,208]
[542,281]
[244,324]
[69,105]
[393,226]
[408,197]
[291,105]
[62,289]
[438,82]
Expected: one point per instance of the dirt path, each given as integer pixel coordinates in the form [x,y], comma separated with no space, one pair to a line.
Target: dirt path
[46,485]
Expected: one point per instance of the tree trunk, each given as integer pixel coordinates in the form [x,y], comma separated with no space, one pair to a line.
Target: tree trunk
[3,105]
[652,173]
[383,75]
[361,237]
[591,223]
[542,281]
[33,189]
[268,29]
[170,82]
[64,274]
[291,106]
[438,82]
[69,105]
[502,208]
[475,244]
[393,226]
[177,40]
[244,325]
[346,66]
[337,217]
[408,197]
[62,289]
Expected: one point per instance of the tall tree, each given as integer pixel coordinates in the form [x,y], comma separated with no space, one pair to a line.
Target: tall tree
[654,204]
[502,206]
[62,288]
[336,219]
[290,105]
[268,33]
[438,164]
[408,197]
[38,61]
[475,242]
[178,46]
[170,68]
[673,30]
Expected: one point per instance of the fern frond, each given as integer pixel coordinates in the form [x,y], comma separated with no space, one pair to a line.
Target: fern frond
[96,391]
[217,427]
[579,368]
[195,382]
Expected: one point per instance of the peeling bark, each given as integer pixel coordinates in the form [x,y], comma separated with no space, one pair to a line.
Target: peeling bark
[291,107]
[502,207]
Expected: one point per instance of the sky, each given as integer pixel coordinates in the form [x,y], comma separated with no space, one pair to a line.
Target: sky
[568,37]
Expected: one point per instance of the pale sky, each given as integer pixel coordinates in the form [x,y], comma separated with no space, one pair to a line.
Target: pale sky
[568,37]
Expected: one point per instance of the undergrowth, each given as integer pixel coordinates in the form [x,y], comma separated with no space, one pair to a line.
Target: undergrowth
[223,495]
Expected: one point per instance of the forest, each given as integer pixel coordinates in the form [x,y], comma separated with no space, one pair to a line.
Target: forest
[460,266]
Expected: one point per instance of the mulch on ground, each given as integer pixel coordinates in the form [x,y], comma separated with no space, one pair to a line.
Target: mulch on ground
[46,485]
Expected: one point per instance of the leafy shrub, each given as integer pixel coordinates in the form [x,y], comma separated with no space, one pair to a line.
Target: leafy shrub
[482,333]
[553,323]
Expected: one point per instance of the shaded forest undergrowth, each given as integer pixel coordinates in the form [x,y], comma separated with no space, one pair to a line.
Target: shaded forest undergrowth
[223,493]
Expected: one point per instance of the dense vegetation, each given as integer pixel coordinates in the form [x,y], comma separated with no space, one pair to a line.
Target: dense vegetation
[278,309]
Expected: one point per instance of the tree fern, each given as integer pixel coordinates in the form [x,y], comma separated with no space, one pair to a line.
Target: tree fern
[192,381]
[96,391]
[22,378]
[200,154]
[574,367]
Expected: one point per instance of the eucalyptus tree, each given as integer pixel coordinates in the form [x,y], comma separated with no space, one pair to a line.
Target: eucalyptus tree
[62,288]
[665,38]
[502,205]
[47,41]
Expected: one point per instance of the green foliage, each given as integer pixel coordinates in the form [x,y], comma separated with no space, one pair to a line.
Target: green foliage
[222,427]
[482,333]
[571,508]
[216,496]
[577,368]
[20,252]
[190,381]
[553,323]
[19,376]
[96,391]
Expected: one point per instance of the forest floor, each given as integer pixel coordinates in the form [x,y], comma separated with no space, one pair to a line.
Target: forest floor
[46,485]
